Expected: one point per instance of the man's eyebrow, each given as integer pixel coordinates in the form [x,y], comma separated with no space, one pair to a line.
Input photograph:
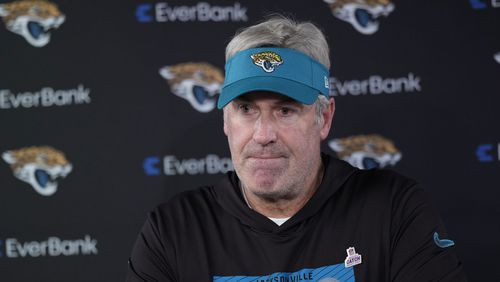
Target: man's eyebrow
[288,100]
[284,100]
[241,99]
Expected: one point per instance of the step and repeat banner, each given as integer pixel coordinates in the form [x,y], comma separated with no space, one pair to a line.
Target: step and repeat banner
[107,109]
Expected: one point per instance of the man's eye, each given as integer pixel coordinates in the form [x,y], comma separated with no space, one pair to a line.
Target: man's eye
[286,111]
[244,108]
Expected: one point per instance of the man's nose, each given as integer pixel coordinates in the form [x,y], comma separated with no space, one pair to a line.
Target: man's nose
[264,130]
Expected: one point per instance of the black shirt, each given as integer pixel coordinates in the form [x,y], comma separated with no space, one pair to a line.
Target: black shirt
[360,225]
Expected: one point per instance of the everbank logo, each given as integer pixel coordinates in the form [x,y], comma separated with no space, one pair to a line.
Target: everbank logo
[488,152]
[375,85]
[497,57]
[171,165]
[45,97]
[484,4]
[201,12]
[51,247]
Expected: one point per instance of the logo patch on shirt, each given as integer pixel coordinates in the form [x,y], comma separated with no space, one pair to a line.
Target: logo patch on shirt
[268,60]
[331,273]
[352,258]
[442,243]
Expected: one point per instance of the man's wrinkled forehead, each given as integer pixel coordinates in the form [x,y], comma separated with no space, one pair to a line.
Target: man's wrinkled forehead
[273,97]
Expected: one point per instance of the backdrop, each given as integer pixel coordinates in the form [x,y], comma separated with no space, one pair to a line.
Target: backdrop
[107,110]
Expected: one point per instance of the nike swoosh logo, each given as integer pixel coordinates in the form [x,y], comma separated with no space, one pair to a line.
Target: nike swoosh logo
[442,243]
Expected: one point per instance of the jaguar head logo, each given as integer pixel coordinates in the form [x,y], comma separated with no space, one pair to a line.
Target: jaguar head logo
[366,151]
[363,15]
[38,166]
[32,19]
[268,61]
[197,83]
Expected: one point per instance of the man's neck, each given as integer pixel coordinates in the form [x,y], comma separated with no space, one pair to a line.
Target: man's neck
[283,208]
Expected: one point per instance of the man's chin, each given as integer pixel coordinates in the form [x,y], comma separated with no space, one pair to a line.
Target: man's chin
[268,189]
[273,195]
[262,184]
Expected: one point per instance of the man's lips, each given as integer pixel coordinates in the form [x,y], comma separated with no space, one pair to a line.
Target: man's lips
[266,157]
[266,162]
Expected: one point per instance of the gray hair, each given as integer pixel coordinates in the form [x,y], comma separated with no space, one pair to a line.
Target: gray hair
[280,31]
[321,106]
[283,32]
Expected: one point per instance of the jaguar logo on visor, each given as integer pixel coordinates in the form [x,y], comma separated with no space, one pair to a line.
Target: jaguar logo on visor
[268,61]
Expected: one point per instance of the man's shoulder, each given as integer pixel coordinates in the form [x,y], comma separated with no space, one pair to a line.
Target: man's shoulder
[205,204]
[192,197]
[371,177]
[380,181]
[385,176]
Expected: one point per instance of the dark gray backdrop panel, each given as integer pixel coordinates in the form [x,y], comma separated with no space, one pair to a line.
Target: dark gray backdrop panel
[133,116]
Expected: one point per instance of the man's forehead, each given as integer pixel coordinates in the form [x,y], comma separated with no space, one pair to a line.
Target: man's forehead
[265,95]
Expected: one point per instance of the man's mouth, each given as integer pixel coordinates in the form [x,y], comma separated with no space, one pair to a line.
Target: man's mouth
[265,157]
[266,162]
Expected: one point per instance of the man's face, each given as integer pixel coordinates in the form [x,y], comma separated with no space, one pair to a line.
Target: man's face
[274,143]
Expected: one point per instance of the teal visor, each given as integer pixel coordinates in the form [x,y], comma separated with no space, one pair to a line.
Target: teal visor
[285,71]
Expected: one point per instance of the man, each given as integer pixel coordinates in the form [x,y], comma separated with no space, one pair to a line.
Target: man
[289,212]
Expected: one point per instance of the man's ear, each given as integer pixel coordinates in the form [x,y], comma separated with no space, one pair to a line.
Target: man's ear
[327,119]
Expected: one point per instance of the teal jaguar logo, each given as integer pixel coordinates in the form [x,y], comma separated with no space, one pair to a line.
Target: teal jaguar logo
[38,166]
[197,83]
[32,19]
[268,61]
[363,15]
[366,151]
[442,243]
